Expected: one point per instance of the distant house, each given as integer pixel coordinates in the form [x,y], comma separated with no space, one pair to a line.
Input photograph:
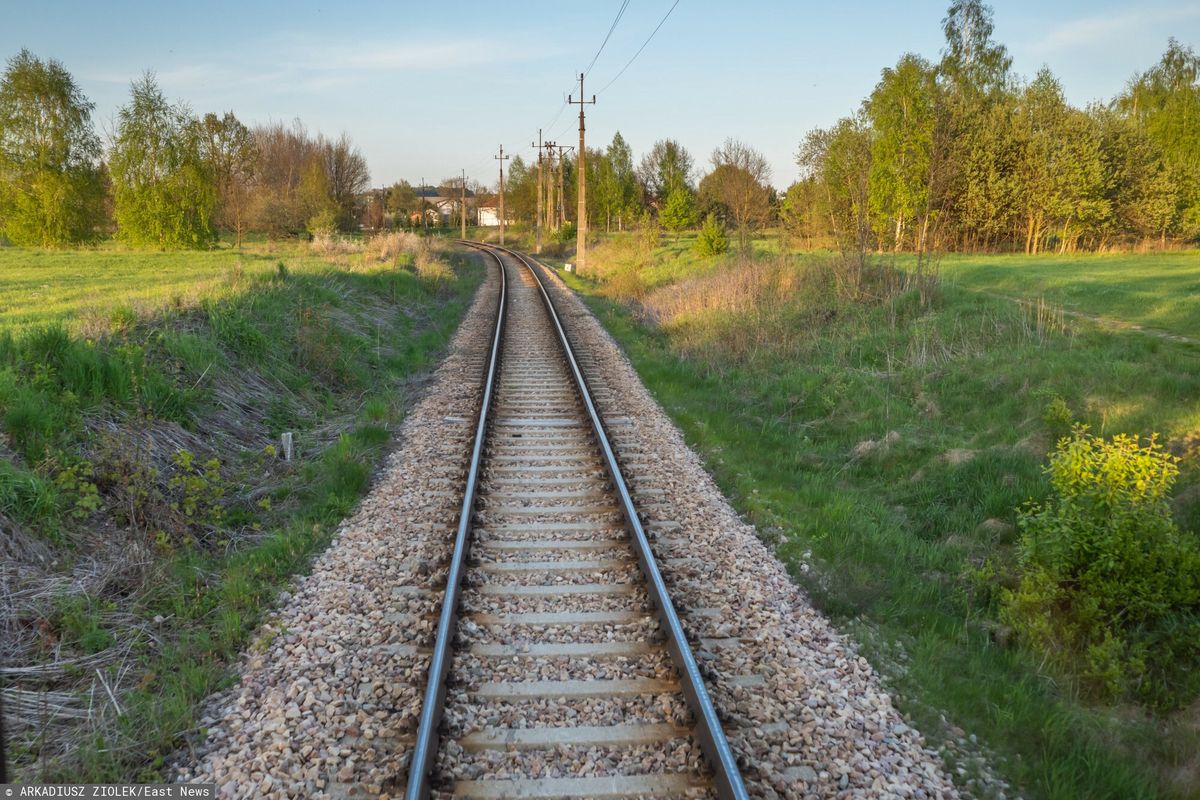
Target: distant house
[489,213]
[441,204]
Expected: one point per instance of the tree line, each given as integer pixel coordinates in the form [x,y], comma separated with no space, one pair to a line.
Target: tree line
[963,154]
[662,189]
[168,178]
[959,155]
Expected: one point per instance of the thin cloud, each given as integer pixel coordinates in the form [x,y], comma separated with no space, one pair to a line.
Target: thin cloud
[318,64]
[1102,29]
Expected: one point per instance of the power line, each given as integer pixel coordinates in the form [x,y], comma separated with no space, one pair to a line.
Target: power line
[640,49]
[613,27]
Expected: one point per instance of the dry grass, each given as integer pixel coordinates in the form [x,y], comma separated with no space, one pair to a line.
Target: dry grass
[746,287]
[386,247]
[327,244]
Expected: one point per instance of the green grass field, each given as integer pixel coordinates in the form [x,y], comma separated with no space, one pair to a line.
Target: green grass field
[83,288]
[1157,290]
[894,444]
[211,355]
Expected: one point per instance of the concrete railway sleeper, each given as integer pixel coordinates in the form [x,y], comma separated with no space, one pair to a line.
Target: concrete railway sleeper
[560,666]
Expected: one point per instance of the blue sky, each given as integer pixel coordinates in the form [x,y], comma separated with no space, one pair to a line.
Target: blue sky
[426,89]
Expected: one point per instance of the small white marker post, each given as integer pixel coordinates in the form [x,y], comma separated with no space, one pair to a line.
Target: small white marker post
[285,444]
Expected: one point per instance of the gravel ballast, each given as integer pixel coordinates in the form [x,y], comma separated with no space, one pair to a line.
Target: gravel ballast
[330,692]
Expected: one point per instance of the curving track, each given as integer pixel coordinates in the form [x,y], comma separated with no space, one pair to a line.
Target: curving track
[560,666]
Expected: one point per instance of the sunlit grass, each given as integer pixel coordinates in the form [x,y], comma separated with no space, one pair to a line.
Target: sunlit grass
[891,446]
[1158,290]
[95,288]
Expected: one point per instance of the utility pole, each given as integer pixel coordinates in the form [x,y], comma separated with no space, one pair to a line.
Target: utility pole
[551,219]
[501,158]
[562,186]
[538,235]
[540,181]
[462,211]
[581,222]
[424,218]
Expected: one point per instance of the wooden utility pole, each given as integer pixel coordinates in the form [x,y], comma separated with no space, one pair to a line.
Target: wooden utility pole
[537,247]
[562,190]
[462,211]
[501,158]
[581,178]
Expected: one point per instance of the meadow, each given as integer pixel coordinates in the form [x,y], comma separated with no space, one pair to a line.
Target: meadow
[1157,291]
[83,288]
[890,441]
[142,399]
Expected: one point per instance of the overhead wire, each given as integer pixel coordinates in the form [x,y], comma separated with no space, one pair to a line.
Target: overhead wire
[616,20]
[640,49]
[611,28]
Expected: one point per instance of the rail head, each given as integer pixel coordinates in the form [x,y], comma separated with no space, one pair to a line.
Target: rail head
[425,747]
[726,773]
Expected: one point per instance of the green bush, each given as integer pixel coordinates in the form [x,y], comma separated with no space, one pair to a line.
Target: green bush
[712,240]
[1110,587]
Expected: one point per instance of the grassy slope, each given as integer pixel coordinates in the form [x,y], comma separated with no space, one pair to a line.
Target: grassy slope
[1156,291]
[894,532]
[335,348]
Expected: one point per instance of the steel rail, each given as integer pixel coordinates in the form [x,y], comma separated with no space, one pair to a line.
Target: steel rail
[726,774]
[425,748]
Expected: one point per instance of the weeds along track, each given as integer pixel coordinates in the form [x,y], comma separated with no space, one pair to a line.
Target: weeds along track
[560,666]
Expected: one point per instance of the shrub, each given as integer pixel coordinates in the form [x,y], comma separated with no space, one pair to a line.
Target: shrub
[1109,586]
[711,240]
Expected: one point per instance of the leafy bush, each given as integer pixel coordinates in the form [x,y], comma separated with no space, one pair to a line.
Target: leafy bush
[1109,586]
[712,240]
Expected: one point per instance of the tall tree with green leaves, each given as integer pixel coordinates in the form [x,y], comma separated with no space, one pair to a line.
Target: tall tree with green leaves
[667,167]
[164,190]
[1138,182]
[903,112]
[622,192]
[975,76]
[51,186]
[1165,102]
[1060,170]
[679,211]
[838,160]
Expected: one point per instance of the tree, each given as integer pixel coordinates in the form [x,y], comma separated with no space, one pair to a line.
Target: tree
[667,167]
[679,211]
[1059,173]
[346,176]
[801,211]
[711,241]
[1165,103]
[520,190]
[903,113]
[164,191]
[231,151]
[738,186]
[971,60]
[838,160]
[275,206]
[51,189]
[617,191]
[402,201]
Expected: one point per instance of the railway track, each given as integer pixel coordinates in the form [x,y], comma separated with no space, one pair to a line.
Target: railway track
[560,667]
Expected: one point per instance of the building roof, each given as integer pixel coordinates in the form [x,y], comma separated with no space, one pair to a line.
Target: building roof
[437,192]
